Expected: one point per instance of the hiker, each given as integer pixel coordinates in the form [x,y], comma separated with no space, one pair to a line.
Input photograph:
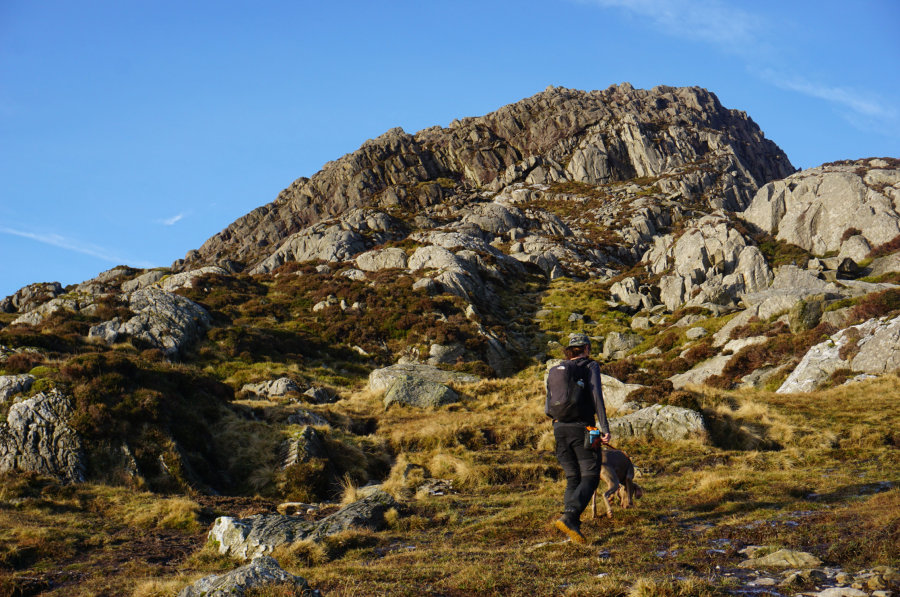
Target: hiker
[574,397]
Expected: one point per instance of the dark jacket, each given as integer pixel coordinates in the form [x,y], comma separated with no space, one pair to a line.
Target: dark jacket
[595,406]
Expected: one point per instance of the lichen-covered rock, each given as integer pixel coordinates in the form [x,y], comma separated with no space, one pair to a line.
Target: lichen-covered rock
[304,446]
[380,379]
[30,297]
[872,347]
[783,558]
[418,392]
[73,301]
[317,242]
[670,423]
[701,372]
[166,321]
[615,392]
[443,354]
[10,385]
[373,261]
[144,280]
[106,332]
[259,535]
[36,437]
[617,344]
[261,572]
[305,417]
[272,388]
[814,208]
[186,279]
[805,315]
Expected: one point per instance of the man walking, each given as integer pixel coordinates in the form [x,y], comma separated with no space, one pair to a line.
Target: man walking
[574,398]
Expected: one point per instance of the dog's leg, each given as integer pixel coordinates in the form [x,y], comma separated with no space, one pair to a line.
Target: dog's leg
[594,505]
[612,484]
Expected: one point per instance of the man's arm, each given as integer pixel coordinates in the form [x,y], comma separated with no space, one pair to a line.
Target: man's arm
[597,395]
[547,401]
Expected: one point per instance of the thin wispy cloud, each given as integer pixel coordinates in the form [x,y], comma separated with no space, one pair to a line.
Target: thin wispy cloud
[72,245]
[862,103]
[711,21]
[170,221]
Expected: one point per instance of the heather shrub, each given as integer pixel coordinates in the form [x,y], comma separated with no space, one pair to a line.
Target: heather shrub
[23,362]
[875,305]
[892,246]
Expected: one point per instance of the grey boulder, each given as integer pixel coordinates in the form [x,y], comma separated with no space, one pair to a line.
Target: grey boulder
[259,535]
[273,388]
[418,392]
[36,437]
[186,279]
[10,385]
[304,446]
[670,423]
[701,372]
[616,344]
[261,572]
[380,379]
[164,320]
[373,261]
[445,354]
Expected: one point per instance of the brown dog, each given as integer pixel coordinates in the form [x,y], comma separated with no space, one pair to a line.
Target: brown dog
[618,472]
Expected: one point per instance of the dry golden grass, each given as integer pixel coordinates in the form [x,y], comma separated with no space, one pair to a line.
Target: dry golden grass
[301,554]
[148,511]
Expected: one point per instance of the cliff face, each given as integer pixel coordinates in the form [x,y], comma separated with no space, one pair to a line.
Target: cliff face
[555,136]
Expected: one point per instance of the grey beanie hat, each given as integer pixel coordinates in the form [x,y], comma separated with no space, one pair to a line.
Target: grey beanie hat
[579,340]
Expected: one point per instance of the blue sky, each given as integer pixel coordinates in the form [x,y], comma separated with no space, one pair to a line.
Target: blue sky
[130,132]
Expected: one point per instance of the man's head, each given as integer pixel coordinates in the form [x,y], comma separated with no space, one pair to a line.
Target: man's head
[579,345]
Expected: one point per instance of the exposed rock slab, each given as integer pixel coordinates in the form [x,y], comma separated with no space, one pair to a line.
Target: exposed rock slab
[262,572]
[418,392]
[701,372]
[380,379]
[260,534]
[784,558]
[10,385]
[186,279]
[272,388]
[36,437]
[615,392]
[668,423]
[167,321]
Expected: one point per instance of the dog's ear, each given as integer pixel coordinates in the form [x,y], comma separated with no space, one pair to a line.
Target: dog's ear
[638,492]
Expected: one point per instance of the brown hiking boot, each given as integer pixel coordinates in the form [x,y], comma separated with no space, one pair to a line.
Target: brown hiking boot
[569,525]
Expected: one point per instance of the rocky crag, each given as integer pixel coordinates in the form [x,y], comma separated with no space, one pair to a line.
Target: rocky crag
[661,224]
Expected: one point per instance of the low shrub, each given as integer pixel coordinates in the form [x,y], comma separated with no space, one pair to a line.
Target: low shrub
[892,246]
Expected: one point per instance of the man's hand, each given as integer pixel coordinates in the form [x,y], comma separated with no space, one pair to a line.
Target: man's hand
[605,438]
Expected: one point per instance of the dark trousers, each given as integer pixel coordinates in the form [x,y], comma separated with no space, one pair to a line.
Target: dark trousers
[581,466]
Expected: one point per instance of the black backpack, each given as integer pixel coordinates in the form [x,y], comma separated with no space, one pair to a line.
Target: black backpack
[568,385]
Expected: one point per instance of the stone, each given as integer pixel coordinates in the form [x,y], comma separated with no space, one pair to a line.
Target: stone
[856,248]
[688,320]
[74,302]
[323,269]
[330,244]
[10,385]
[695,333]
[722,337]
[373,261]
[164,320]
[842,592]
[619,343]
[36,437]
[640,323]
[814,208]
[304,446]
[354,274]
[418,392]
[735,346]
[669,423]
[144,280]
[615,392]
[186,279]
[701,372]
[837,318]
[320,395]
[805,315]
[106,332]
[445,354]
[259,535]
[305,417]
[30,297]
[261,572]
[783,558]
[273,388]
[380,379]
[428,285]
[790,277]
[575,317]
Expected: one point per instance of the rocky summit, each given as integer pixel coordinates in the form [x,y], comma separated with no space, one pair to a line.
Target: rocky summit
[342,392]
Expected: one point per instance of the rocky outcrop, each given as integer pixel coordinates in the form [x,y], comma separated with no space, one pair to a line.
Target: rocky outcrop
[815,208]
[615,393]
[262,572]
[30,297]
[186,279]
[272,388]
[36,437]
[872,347]
[380,379]
[74,302]
[373,261]
[669,423]
[163,320]
[418,392]
[609,135]
[259,535]
[10,385]
[304,446]
[700,372]
[144,280]
[616,345]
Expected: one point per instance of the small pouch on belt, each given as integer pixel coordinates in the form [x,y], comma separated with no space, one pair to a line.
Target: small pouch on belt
[592,437]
